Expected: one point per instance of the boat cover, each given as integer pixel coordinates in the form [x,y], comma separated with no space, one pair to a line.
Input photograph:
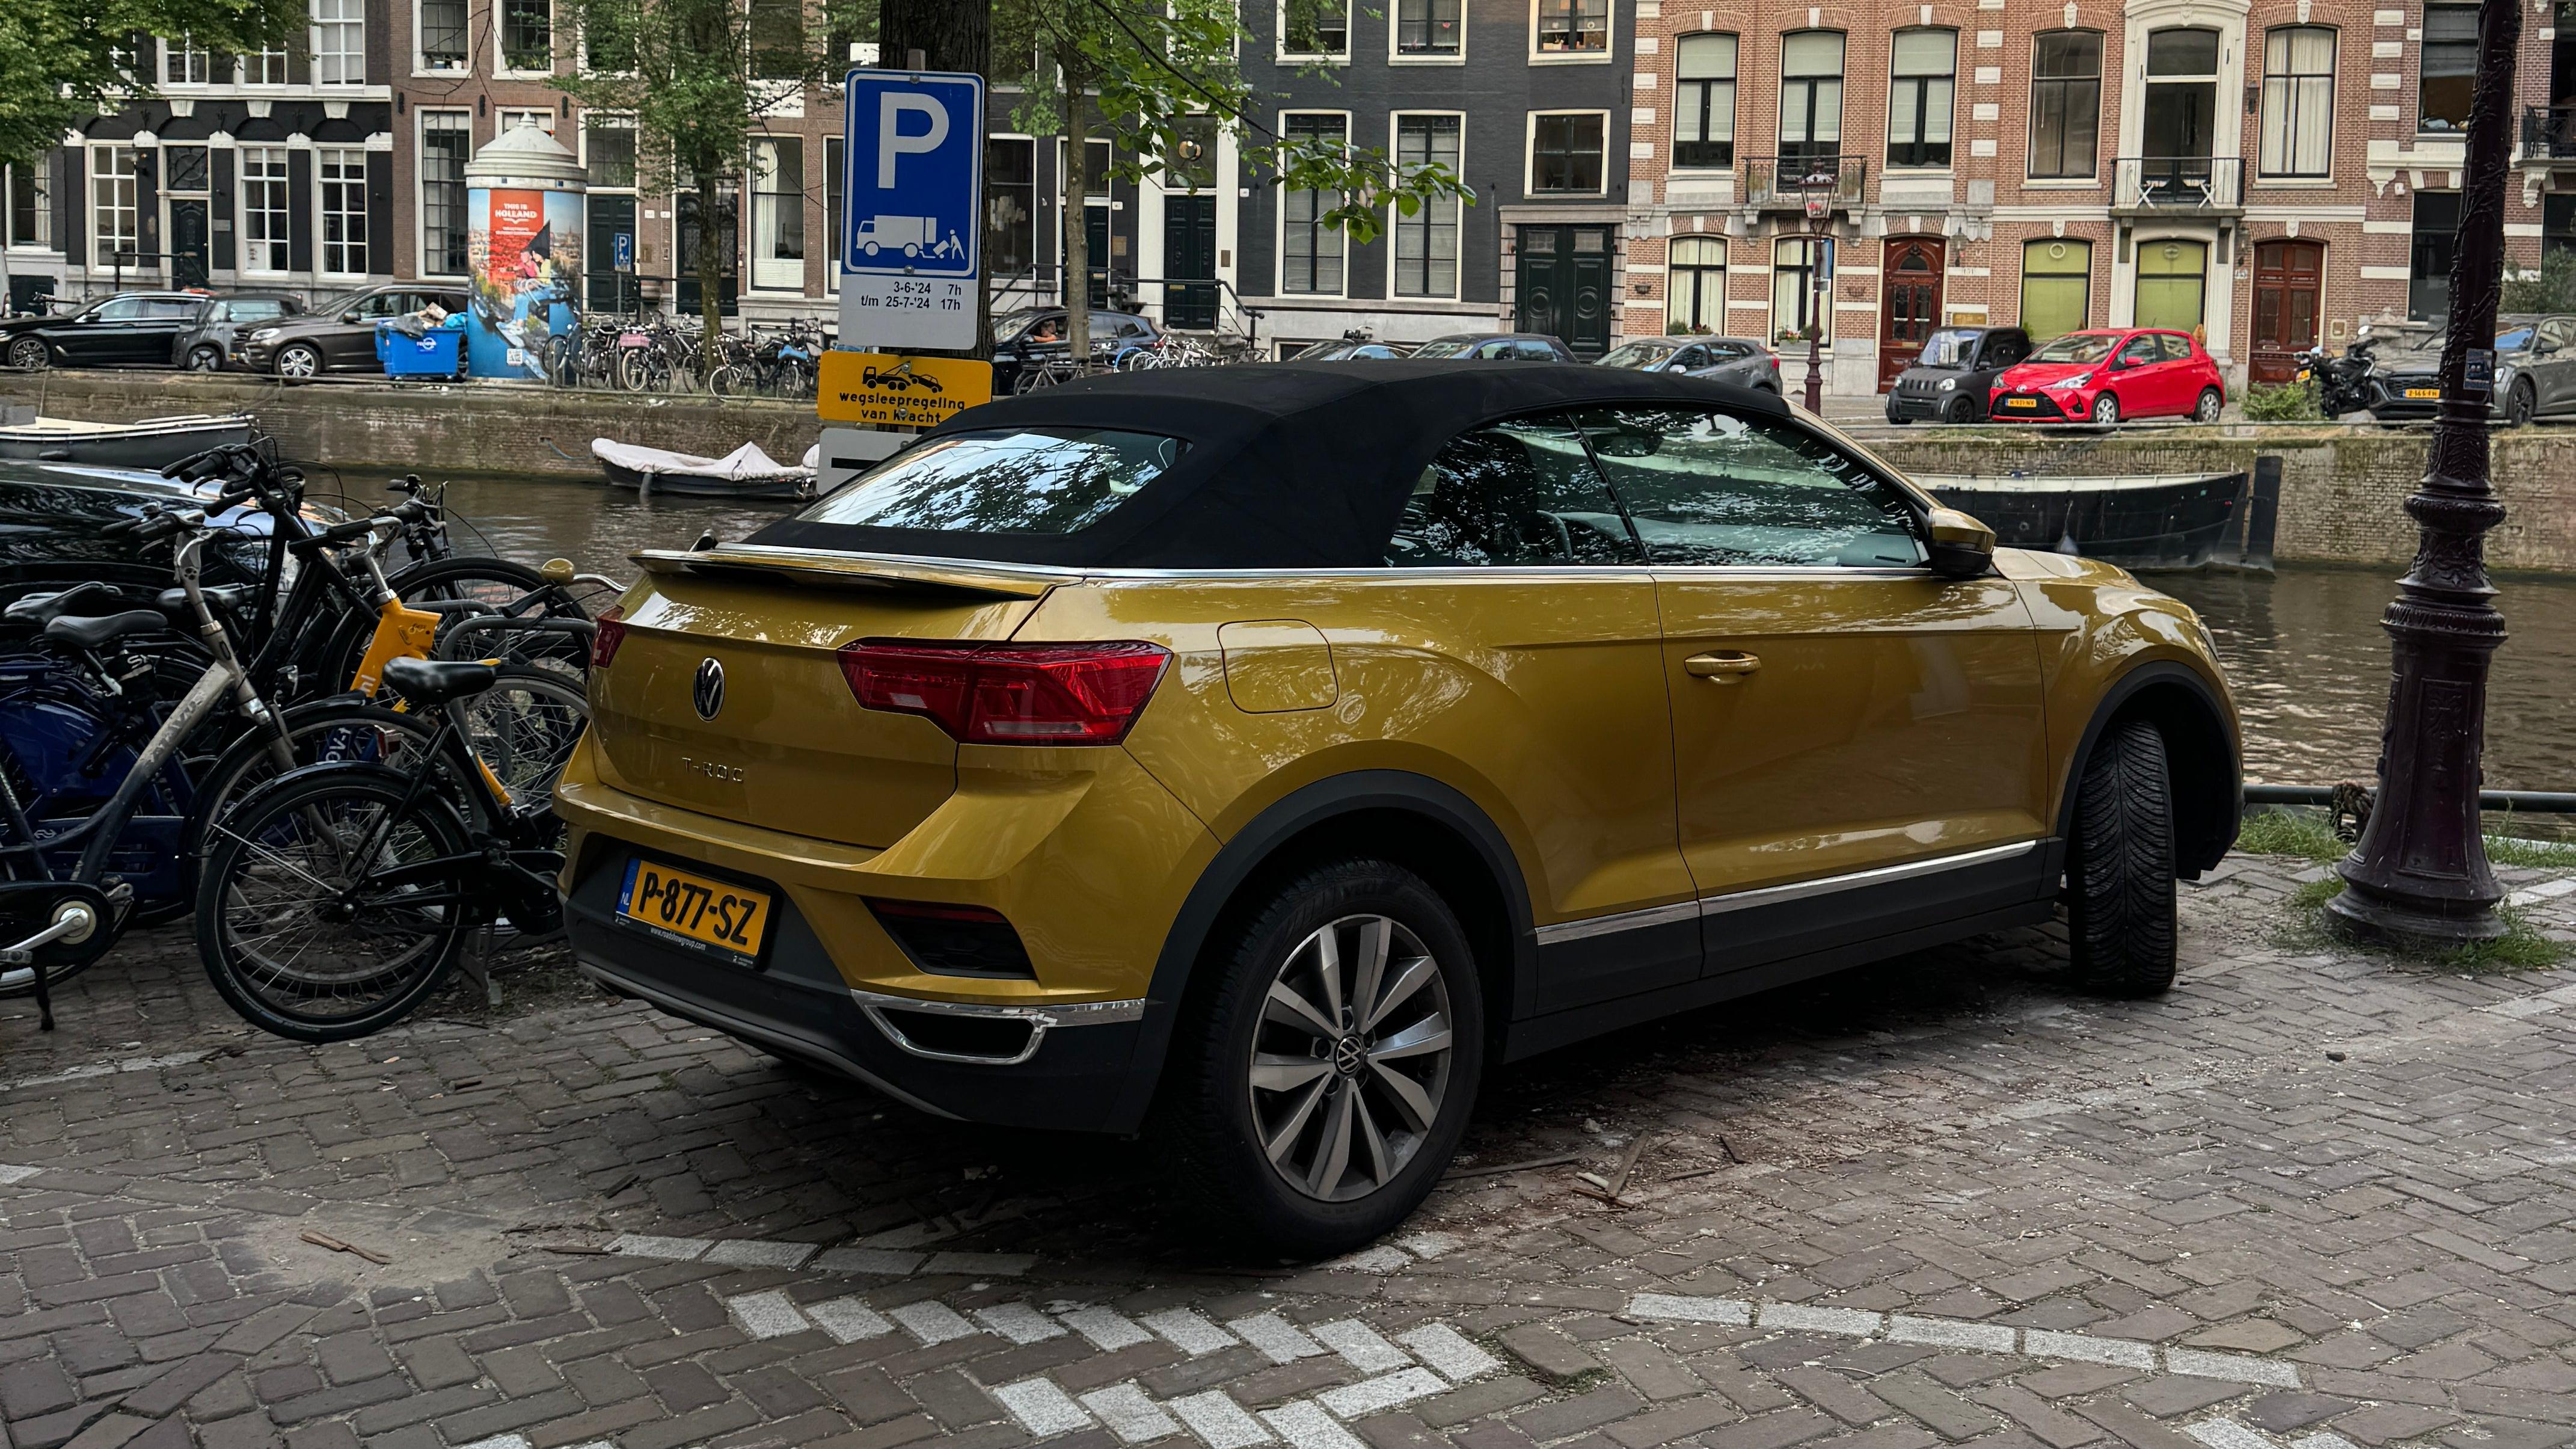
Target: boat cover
[743,465]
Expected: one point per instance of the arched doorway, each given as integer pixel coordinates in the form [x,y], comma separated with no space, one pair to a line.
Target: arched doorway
[2173,280]
[2288,277]
[1911,305]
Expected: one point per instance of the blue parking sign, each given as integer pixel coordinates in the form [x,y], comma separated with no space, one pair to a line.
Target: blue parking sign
[915,185]
[621,251]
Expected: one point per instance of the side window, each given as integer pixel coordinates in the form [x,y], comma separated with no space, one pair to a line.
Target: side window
[1728,351]
[2177,346]
[1715,489]
[123,309]
[1537,352]
[2553,335]
[176,309]
[2006,350]
[2142,351]
[1518,492]
[1690,359]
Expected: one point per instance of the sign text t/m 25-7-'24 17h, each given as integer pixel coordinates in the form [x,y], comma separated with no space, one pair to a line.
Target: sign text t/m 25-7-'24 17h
[912,224]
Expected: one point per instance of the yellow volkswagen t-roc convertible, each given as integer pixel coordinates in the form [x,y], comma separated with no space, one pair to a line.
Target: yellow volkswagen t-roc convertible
[1259,755]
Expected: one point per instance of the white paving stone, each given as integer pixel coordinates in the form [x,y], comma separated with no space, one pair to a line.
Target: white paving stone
[2227,1434]
[1278,1339]
[2322,1440]
[1690,1308]
[999,1265]
[848,1320]
[1449,1351]
[11,1172]
[1041,1407]
[931,1321]
[1431,1245]
[1218,1420]
[1822,1320]
[887,1261]
[642,1245]
[1019,1323]
[766,1315]
[1189,1330]
[1308,1427]
[1949,1333]
[1381,1259]
[759,1253]
[2240,1368]
[500,1441]
[2085,1348]
[1369,1396]
[1130,1413]
[1107,1328]
[1360,1345]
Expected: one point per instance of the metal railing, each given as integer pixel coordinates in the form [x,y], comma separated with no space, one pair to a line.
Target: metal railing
[1787,181]
[2178,183]
[2549,131]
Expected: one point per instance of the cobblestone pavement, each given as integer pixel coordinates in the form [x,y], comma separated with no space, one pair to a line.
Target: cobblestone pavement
[2308,1201]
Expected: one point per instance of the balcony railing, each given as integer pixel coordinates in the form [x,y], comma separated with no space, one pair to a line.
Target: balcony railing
[2179,183]
[2549,132]
[1774,182]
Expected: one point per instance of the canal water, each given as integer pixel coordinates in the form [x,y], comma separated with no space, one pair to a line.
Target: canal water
[2303,647]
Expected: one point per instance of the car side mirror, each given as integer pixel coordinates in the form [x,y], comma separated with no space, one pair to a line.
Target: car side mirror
[1961,547]
[348,317]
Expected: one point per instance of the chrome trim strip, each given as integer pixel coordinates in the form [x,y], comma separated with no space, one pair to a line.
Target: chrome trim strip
[1828,885]
[1591,926]
[1039,1018]
[791,555]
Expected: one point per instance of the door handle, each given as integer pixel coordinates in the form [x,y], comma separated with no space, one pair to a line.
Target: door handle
[1725,667]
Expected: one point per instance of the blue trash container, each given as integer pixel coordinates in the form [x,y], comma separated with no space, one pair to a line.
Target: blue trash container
[432,354]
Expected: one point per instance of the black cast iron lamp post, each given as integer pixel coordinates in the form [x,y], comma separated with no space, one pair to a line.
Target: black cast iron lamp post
[1820,221]
[2420,878]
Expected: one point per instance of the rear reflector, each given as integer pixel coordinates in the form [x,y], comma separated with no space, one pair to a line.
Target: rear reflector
[612,632]
[955,940]
[1009,694]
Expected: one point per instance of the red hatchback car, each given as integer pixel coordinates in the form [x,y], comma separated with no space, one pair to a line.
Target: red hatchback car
[2108,375]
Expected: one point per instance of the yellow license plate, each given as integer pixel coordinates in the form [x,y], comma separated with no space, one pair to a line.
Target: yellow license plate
[2423,392]
[725,920]
[2021,402]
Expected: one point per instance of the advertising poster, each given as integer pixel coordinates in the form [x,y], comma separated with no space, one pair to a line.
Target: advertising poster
[524,248]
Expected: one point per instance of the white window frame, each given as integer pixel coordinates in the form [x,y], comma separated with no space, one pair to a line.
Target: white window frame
[43,172]
[752,193]
[242,67]
[1725,268]
[1457,213]
[1824,323]
[1951,112]
[1608,52]
[1396,55]
[179,49]
[421,128]
[352,24]
[420,58]
[281,249]
[1734,84]
[131,206]
[831,238]
[507,120]
[501,66]
[1529,152]
[2263,116]
[322,214]
[1279,248]
[1279,41]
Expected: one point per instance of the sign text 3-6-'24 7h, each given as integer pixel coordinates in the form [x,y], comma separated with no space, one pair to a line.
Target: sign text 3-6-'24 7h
[910,250]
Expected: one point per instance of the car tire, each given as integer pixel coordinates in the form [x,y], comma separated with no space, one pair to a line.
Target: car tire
[1960,410]
[28,354]
[299,359]
[2120,866]
[2520,404]
[2206,408]
[2106,410]
[1354,1152]
[205,359]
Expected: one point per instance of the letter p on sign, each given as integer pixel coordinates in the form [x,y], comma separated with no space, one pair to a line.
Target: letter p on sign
[892,107]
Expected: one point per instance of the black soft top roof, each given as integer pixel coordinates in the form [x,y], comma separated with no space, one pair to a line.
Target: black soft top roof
[1289,465]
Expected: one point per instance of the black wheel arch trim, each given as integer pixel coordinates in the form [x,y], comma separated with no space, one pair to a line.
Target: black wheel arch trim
[2206,848]
[1258,842]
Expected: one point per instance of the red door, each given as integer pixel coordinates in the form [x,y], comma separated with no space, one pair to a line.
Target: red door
[1912,306]
[2287,279]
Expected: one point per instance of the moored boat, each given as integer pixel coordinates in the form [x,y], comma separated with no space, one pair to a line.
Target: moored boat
[2155,521]
[746,472]
[146,443]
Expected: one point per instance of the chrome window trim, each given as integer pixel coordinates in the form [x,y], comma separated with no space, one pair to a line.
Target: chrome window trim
[1039,1018]
[1591,926]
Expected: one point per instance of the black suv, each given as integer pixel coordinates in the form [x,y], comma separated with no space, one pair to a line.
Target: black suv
[1956,373]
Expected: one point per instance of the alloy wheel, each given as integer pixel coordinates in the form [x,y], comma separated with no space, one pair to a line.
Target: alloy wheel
[205,359]
[2106,410]
[298,362]
[27,355]
[1351,1058]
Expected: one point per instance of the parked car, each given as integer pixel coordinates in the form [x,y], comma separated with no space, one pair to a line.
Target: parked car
[339,334]
[53,530]
[1351,349]
[211,342]
[2111,375]
[1952,378]
[1034,335]
[1260,755]
[130,329]
[1739,360]
[2535,372]
[1497,347]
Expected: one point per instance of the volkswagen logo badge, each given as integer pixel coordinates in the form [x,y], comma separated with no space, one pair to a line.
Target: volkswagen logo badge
[707,690]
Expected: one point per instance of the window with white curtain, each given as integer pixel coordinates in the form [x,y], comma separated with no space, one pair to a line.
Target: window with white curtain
[1704,101]
[340,174]
[778,214]
[263,208]
[2298,101]
[1695,284]
[1923,80]
[1426,243]
[1811,99]
[1802,278]
[115,226]
[339,42]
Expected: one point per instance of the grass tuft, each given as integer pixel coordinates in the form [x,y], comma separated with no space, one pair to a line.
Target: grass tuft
[2521,948]
[2278,832]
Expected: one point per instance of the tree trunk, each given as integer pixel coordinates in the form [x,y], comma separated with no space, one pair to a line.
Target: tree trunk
[1077,224]
[953,35]
[710,274]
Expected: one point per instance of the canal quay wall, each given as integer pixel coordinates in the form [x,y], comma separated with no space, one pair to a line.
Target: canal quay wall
[2342,486]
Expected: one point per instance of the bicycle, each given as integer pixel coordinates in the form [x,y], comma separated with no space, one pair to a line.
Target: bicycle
[339,896]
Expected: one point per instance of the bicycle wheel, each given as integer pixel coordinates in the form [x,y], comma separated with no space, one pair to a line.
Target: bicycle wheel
[512,588]
[328,732]
[524,728]
[329,908]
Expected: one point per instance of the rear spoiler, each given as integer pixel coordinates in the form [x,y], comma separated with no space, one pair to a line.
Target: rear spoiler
[830,569]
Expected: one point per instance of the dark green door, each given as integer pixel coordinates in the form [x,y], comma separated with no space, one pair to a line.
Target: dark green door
[1189,262]
[191,241]
[1563,285]
[604,288]
[1095,232]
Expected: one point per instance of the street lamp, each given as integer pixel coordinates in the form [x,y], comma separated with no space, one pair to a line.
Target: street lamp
[2420,878]
[1819,189]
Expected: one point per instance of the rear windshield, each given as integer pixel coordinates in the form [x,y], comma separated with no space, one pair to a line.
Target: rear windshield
[1050,480]
[2078,347]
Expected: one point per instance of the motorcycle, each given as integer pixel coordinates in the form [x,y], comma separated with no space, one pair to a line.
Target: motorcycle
[2341,384]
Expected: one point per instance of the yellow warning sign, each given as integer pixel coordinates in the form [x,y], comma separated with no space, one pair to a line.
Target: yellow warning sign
[884,390]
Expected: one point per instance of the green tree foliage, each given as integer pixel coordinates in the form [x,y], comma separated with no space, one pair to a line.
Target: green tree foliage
[63,62]
[701,78]
[2550,289]
[1146,73]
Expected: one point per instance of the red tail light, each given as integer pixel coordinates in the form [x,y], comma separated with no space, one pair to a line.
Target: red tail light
[612,632]
[1009,694]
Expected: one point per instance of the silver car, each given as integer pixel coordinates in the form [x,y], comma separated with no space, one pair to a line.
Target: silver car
[2535,372]
[1739,360]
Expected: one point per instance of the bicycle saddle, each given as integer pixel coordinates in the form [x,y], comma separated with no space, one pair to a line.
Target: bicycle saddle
[437,681]
[37,610]
[227,597]
[91,633]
